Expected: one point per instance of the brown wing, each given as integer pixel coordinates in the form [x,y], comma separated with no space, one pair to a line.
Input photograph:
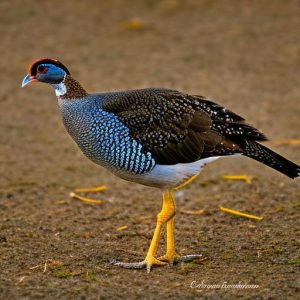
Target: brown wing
[176,127]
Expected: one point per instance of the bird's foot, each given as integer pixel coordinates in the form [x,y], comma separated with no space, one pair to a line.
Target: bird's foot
[173,258]
[147,263]
[88,190]
[170,257]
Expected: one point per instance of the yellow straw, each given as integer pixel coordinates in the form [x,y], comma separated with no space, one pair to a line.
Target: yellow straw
[246,178]
[122,228]
[91,190]
[86,200]
[240,214]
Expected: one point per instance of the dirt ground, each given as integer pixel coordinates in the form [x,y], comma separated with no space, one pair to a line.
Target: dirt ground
[243,54]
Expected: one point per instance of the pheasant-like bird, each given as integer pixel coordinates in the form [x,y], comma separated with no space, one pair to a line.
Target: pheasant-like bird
[157,137]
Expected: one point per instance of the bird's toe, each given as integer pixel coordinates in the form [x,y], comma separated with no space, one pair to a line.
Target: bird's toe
[147,263]
[175,259]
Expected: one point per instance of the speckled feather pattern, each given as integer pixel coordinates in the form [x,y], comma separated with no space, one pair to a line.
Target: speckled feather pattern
[102,137]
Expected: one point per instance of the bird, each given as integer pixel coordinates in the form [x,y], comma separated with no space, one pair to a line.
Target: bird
[157,137]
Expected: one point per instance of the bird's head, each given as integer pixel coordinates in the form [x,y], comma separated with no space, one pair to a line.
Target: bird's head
[46,70]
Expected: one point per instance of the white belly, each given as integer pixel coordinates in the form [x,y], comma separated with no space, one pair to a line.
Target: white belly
[169,176]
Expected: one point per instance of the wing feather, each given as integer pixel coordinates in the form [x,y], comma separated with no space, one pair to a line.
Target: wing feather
[179,128]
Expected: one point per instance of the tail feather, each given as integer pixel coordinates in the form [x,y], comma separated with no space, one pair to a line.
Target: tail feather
[270,158]
[237,130]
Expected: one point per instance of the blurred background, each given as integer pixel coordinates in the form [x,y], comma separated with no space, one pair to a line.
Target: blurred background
[242,54]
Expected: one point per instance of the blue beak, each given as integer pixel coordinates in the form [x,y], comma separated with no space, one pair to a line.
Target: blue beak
[27,79]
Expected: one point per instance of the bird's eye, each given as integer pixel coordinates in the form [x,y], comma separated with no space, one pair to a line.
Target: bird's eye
[42,69]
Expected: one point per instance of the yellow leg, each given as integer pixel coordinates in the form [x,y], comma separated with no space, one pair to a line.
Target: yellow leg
[171,252]
[165,216]
[167,213]
[171,255]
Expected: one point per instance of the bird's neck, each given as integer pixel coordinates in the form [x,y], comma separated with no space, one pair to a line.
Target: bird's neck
[69,89]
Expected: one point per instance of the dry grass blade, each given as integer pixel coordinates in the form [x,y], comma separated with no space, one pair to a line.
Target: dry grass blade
[91,190]
[35,267]
[133,24]
[86,200]
[45,267]
[22,278]
[246,178]
[240,214]
[192,212]
[122,228]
